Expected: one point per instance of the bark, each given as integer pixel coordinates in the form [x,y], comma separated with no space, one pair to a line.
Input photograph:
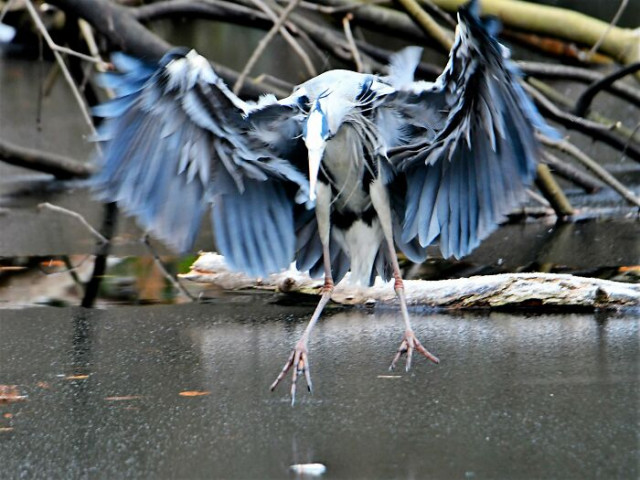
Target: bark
[622,44]
[57,165]
[119,25]
[504,291]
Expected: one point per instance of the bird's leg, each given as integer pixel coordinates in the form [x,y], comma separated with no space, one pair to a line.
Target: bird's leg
[380,200]
[299,358]
[409,342]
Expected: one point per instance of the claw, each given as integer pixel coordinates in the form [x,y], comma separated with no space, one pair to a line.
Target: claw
[408,345]
[299,360]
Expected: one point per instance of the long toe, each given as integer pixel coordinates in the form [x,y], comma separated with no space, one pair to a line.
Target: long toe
[408,345]
[298,363]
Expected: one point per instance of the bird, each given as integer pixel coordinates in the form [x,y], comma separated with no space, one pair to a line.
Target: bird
[336,177]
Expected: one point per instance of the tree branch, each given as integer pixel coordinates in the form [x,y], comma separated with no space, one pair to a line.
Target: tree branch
[593,129]
[564,72]
[593,166]
[519,290]
[583,103]
[57,165]
[427,24]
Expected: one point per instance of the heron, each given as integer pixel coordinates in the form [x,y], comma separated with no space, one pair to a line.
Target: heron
[338,176]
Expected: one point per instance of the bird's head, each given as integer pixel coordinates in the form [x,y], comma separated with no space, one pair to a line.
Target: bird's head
[316,133]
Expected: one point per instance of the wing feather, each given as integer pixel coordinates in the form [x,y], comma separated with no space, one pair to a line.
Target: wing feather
[176,139]
[477,153]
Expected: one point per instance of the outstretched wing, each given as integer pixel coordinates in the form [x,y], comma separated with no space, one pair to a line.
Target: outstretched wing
[176,139]
[465,145]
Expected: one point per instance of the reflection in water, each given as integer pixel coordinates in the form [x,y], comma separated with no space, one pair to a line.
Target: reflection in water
[534,396]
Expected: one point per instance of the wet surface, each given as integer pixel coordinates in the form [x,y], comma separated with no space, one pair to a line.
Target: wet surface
[516,396]
[548,396]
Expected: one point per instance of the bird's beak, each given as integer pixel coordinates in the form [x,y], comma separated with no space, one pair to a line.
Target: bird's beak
[315,157]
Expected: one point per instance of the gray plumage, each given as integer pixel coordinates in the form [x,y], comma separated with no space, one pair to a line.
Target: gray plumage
[335,176]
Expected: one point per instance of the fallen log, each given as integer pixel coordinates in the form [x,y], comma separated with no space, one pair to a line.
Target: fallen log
[503,291]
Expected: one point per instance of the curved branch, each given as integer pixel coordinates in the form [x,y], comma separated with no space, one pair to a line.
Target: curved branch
[583,103]
[593,129]
[564,72]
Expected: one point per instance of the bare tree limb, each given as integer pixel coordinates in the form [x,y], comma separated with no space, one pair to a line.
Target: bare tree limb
[293,43]
[76,215]
[428,25]
[593,129]
[564,72]
[552,192]
[352,44]
[156,258]
[567,171]
[584,102]
[63,66]
[614,21]
[519,290]
[57,165]
[564,101]
[122,29]
[620,43]
[593,166]
[262,45]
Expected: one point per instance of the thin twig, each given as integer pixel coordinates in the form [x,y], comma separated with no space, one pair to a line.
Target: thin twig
[293,43]
[614,21]
[536,197]
[352,44]
[56,52]
[564,72]
[333,10]
[73,274]
[262,45]
[440,13]
[568,103]
[176,284]
[593,166]
[76,215]
[596,130]
[571,173]
[426,23]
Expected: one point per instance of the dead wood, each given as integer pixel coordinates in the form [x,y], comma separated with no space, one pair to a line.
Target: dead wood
[503,291]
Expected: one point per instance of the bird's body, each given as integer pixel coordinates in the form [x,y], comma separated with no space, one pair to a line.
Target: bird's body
[336,176]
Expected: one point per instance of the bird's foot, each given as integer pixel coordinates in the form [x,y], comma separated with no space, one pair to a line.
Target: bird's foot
[408,345]
[299,360]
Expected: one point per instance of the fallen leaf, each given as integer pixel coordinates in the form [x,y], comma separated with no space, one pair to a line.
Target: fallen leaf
[7,415]
[11,394]
[76,377]
[52,263]
[631,268]
[194,393]
[123,398]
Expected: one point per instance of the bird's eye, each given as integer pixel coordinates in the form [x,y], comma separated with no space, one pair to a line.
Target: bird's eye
[304,103]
